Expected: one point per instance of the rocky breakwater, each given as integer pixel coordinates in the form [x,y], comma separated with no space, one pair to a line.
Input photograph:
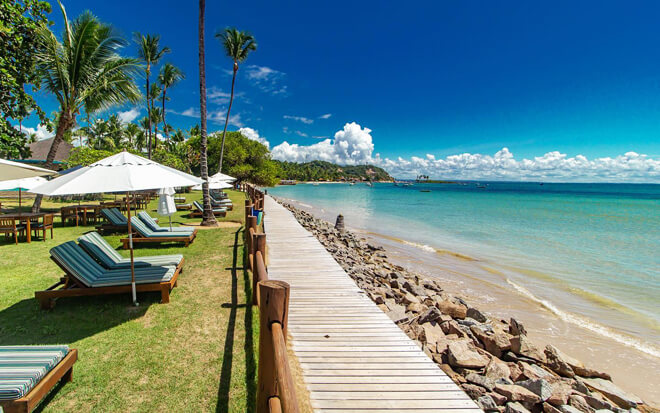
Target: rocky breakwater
[493,361]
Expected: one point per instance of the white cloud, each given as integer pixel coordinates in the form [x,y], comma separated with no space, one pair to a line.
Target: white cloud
[254,135]
[41,132]
[354,145]
[302,119]
[301,133]
[191,112]
[553,166]
[267,79]
[326,116]
[129,115]
[351,145]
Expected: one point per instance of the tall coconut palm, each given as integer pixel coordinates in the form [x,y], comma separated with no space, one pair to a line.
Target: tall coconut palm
[208,219]
[150,52]
[237,46]
[84,70]
[131,131]
[156,118]
[154,92]
[168,77]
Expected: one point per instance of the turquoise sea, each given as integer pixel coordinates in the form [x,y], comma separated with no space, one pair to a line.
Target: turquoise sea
[590,253]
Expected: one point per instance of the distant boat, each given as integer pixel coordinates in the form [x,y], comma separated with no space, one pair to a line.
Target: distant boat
[370,184]
[424,190]
[481,186]
[352,183]
[541,183]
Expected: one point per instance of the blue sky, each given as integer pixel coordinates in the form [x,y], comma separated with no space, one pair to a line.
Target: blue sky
[440,78]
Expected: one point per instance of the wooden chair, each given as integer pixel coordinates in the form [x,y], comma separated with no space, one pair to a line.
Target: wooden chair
[8,226]
[69,214]
[46,224]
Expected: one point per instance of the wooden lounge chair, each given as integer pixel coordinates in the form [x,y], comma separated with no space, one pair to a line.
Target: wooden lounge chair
[151,223]
[223,203]
[198,210]
[104,254]
[69,214]
[86,277]
[142,234]
[29,373]
[116,221]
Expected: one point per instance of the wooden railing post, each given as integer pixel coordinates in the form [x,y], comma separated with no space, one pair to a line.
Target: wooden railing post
[259,254]
[273,374]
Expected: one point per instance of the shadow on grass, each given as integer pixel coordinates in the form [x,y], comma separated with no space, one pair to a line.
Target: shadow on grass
[71,320]
[224,387]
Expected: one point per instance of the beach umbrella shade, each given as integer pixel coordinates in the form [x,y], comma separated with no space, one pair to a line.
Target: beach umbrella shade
[15,170]
[20,185]
[215,185]
[122,172]
[166,205]
[221,177]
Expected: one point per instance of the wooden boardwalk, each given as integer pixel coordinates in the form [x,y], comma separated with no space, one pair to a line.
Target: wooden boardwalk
[354,358]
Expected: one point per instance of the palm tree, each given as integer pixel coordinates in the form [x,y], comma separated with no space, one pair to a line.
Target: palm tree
[84,70]
[237,46]
[150,52]
[156,118]
[131,131]
[116,131]
[168,77]
[154,92]
[208,219]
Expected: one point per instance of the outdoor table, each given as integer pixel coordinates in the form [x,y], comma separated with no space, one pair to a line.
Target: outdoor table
[84,209]
[25,217]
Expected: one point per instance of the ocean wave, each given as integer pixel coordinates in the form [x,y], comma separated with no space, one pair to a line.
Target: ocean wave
[588,324]
[424,247]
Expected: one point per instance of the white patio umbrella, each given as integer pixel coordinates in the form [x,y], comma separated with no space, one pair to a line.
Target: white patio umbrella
[166,204]
[16,170]
[221,177]
[214,185]
[20,185]
[123,172]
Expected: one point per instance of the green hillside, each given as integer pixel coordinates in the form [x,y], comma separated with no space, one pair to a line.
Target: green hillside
[326,171]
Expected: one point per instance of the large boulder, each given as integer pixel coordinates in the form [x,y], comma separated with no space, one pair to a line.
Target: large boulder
[540,387]
[431,314]
[557,361]
[515,408]
[461,353]
[476,314]
[516,328]
[455,310]
[613,392]
[473,391]
[517,393]
[522,346]
[497,369]
[480,380]
[432,333]
[494,342]
[487,404]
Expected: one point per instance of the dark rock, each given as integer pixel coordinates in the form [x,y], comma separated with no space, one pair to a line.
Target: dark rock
[473,391]
[516,328]
[515,408]
[487,403]
[540,387]
[476,314]
[431,314]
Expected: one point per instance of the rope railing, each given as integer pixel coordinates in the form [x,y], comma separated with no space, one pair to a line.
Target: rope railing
[276,391]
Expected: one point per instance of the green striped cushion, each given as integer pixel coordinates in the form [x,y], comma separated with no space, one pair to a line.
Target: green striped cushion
[201,208]
[153,225]
[22,367]
[100,250]
[72,257]
[143,230]
[120,219]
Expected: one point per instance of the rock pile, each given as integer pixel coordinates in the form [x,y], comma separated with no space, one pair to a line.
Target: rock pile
[493,361]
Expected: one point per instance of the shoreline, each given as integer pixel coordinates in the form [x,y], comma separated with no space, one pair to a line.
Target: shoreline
[398,252]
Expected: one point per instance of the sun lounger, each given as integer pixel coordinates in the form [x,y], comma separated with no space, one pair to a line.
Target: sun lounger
[104,254]
[29,373]
[153,225]
[142,234]
[85,277]
[116,221]
[198,210]
[224,203]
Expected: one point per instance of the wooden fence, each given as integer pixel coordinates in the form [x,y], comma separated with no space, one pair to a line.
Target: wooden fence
[276,391]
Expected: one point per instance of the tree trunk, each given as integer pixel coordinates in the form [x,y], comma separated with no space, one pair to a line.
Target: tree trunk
[165,128]
[63,125]
[148,115]
[224,131]
[208,219]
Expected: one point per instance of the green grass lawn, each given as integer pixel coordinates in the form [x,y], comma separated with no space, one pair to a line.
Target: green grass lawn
[198,353]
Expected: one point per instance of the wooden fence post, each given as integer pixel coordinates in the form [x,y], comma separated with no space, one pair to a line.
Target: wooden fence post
[259,246]
[274,308]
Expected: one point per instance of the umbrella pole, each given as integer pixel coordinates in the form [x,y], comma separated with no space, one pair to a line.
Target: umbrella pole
[130,244]
[19,200]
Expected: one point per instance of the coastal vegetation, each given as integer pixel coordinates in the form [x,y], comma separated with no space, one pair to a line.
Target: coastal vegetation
[326,171]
